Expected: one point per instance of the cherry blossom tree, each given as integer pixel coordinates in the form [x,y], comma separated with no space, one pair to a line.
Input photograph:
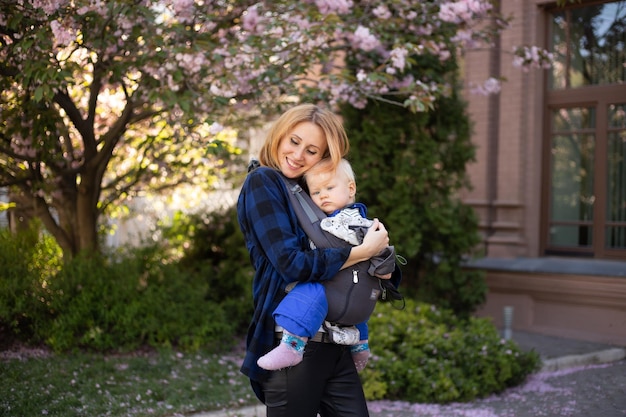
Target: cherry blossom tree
[103,99]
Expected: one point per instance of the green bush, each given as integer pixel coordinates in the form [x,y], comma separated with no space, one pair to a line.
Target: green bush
[136,301]
[28,261]
[426,354]
[134,297]
[214,250]
[410,168]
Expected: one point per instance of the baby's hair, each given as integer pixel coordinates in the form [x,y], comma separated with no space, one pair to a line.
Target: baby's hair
[326,166]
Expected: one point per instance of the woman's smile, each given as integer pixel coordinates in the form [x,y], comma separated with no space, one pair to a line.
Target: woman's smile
[301,149]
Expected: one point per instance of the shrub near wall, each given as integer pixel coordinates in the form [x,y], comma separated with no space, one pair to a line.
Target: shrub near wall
[425,354]
[410,169]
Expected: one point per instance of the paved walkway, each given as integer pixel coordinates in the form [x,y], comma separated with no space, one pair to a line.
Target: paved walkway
[578,379]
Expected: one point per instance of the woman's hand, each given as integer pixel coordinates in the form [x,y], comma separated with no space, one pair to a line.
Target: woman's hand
[376,239]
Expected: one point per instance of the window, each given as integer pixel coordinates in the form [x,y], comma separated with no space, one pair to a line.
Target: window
[585,197]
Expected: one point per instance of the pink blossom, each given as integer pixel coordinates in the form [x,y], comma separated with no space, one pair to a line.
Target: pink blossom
[299,22]
[48,6]
[382,12]
[184,10]
[364,39]
[490,86]
[61,35]
[463,10]
[251,20]
[403,83]
[192,63]
[334,6]
[83,10]
[444,55]
[531,57]
[449,12]
[463,37]
[425,30]
[358,103]
[217,89]
[398,57]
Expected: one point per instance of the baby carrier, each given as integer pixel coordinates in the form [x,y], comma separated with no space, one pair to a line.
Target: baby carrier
[352,293]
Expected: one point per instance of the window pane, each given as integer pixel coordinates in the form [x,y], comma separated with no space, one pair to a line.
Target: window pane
[571,236]
[588,44]
[616,237]
[572,159]
[572,178]
[579,120]
[616,178]
[617,116]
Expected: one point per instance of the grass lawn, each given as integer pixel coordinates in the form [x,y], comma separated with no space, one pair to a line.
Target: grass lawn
[165,383]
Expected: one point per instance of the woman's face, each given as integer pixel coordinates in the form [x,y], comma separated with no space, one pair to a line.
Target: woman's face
[300,149]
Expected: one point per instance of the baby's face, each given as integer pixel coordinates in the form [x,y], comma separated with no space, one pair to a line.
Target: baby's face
[330,191]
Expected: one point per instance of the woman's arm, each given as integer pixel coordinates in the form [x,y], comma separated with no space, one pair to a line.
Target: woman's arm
[274,236]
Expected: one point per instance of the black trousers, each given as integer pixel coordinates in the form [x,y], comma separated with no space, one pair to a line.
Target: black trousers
[325,382]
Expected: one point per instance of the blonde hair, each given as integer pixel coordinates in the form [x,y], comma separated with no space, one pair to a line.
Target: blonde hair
[326,166]
[336,138]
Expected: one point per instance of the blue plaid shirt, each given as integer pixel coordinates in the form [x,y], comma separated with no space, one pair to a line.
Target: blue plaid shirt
[280,253]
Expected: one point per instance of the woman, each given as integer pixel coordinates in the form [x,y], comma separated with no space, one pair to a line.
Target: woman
[326,381]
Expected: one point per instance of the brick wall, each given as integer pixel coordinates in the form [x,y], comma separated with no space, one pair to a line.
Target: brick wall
[507,174]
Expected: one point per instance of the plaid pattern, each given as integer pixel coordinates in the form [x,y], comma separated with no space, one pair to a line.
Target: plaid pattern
[279,251]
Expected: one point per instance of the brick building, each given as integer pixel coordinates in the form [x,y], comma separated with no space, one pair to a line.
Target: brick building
[550,175]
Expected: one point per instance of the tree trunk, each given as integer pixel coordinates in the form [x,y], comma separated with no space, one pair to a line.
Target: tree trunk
[86,214]
[20,216]
[73,222]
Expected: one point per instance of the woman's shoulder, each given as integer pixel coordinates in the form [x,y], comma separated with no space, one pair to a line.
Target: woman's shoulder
[264,177]
[263,186]
[265,171]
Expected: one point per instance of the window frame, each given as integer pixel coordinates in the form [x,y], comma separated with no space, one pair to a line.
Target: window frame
[598,97]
